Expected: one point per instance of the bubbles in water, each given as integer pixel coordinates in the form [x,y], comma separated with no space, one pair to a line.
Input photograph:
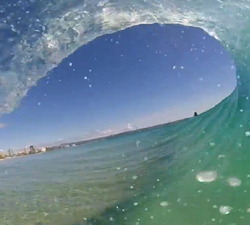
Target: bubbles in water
[206,176]
[234,182]
[164,204]
[134,177]
[225,210]
[247,133]
[136,203]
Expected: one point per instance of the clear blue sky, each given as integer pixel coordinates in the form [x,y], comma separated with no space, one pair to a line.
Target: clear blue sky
[144,75]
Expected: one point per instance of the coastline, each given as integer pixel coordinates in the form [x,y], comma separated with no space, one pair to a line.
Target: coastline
[82,142]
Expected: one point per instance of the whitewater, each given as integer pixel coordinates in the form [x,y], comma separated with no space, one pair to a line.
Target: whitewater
[157,182]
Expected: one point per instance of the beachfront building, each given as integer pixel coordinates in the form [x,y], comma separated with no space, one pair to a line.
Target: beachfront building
[32,150]
[2,156]
[11,153]
[43,149]
[26,151]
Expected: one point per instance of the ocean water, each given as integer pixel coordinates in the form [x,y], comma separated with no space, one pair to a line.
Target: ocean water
[148,177]
[145,177]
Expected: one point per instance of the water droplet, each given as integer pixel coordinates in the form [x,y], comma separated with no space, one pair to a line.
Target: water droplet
[164,204]
[225,209]
[234,182]
[70,64]
[206,176]
[247,133]
[134,177]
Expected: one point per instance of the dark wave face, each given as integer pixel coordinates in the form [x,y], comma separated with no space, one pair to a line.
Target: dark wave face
[168,179]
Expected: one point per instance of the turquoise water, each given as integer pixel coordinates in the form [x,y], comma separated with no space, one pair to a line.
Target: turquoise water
[146,177]
[123,181]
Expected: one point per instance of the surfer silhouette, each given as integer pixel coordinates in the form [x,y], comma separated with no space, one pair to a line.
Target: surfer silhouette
[195,114]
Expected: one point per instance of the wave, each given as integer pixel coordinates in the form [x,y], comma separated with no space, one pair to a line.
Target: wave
[37,35]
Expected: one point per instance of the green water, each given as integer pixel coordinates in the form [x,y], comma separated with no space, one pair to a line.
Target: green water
[100,189]
[216,141]
[146,177]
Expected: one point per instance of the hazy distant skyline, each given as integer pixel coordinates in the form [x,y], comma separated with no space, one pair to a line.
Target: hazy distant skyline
[142,76]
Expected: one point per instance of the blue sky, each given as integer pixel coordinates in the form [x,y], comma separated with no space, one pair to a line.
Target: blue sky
[144,75]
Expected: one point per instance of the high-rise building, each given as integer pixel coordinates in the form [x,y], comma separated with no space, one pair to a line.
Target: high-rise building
[11,153]
[32,149]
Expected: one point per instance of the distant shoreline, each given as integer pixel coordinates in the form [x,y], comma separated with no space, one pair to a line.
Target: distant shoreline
[78,143]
